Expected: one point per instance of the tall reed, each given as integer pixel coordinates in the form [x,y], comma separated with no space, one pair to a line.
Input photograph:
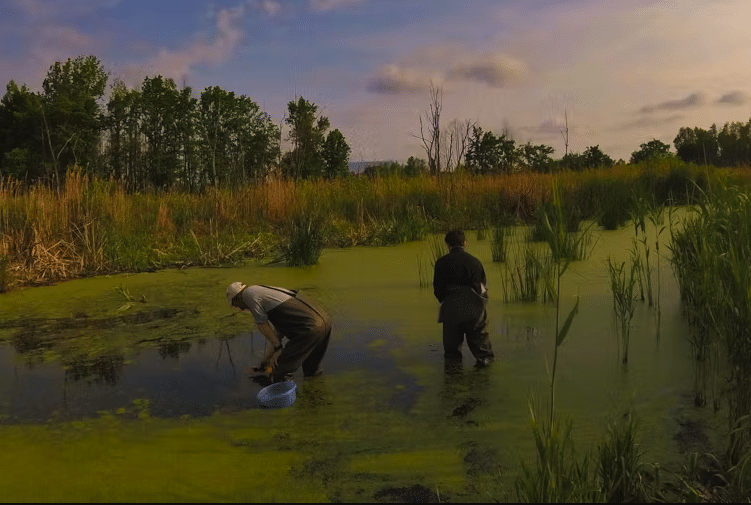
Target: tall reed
[558,476]
[710,255]
[498,243]
[624,301]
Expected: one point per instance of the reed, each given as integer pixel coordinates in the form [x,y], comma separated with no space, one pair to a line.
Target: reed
[302,242]
[558,475]
[620,470]
[498,243]
[710,255]
[523,273]
[425,268]
[624,300]
[94,226]
[5,276]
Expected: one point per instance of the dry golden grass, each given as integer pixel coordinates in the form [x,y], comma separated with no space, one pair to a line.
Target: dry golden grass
[50,236]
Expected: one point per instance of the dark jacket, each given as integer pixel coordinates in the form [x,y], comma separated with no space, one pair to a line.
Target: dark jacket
[459,284]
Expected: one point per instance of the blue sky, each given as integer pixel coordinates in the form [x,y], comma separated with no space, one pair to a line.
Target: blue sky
[624,71]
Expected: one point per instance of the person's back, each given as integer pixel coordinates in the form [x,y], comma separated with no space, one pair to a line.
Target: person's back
[459,284]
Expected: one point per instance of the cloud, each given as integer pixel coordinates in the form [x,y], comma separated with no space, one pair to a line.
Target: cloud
[648,122]
[691,101]
[330,5]
[271,8]
[393,79]
[496,70]
[733,98]
[176,64]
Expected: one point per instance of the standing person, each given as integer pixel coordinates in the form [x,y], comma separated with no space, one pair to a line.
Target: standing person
[278,313]
[459,284]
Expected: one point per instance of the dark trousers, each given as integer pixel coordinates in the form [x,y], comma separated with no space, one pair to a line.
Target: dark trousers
[303,350]
[478,339]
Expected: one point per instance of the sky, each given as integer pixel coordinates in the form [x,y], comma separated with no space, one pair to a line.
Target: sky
[622,72]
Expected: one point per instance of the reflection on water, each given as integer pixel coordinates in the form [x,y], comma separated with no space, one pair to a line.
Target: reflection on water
[177,377]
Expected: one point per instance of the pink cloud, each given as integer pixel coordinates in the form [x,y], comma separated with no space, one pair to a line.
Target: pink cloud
[177,63]
[330,5]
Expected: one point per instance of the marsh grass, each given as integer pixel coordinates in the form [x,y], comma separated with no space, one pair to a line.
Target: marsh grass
[5,276]
[558,475]
[93,226]
[522,272]
[620,470]
[711,254]
[425,267]
[302,242]
[622,283]
[498,243]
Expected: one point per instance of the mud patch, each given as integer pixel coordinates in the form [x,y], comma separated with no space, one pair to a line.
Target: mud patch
[479,460]
[408,494]
[461,412]
[691,436]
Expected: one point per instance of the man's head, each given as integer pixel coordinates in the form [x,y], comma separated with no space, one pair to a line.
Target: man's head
[455,238]
[233,290]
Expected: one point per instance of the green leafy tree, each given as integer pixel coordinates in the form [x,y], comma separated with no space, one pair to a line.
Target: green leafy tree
[307,132]
[161,107]
[594,158]
[734,141]
[335,152]
[652,150]
[239,142]
[415,166]
[695,145]
[122,122]
[21,141]
[574,161]
[71,113]
[537,158]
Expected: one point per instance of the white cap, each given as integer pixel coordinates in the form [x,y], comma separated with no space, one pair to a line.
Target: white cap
[233,290]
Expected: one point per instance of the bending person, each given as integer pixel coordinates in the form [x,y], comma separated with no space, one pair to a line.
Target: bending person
[279,313]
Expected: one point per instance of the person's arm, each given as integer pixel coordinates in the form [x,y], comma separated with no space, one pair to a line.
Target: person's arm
[439,282]
[272,336]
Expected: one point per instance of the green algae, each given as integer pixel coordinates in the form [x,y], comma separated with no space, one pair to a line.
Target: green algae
[387,419]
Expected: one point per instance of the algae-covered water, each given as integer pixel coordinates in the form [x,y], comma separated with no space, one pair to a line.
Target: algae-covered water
[138,387]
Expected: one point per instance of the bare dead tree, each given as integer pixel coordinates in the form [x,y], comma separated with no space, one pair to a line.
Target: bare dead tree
[565,136]
[463,130]
[432,140]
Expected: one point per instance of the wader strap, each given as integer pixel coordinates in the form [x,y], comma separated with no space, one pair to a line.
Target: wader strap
[303,298]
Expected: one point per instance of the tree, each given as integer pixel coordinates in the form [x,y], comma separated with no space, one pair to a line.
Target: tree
[160,101]
[335,153]
[307,134]
[537,158]
[652,150]
[574,161]
[734,141]
[122,122]
[71,114]
[430,131]
[415,166]
[695,145]
[21,141]
[487,153]
[594,158]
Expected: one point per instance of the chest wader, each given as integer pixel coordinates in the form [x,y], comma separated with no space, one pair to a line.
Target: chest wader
[307,326]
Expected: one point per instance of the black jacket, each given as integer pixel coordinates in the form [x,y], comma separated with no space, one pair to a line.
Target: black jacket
[459,284]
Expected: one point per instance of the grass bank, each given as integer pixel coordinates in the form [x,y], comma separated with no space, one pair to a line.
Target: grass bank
[94,227]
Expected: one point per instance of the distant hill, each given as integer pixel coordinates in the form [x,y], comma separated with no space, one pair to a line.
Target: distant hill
[357,167]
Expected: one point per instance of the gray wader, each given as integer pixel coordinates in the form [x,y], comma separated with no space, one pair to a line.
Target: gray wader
[307,325]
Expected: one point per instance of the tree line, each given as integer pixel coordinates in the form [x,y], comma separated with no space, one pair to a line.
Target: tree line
[157,136]
[160,136]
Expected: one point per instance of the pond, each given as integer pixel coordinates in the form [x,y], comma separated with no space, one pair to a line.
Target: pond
[138,387]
